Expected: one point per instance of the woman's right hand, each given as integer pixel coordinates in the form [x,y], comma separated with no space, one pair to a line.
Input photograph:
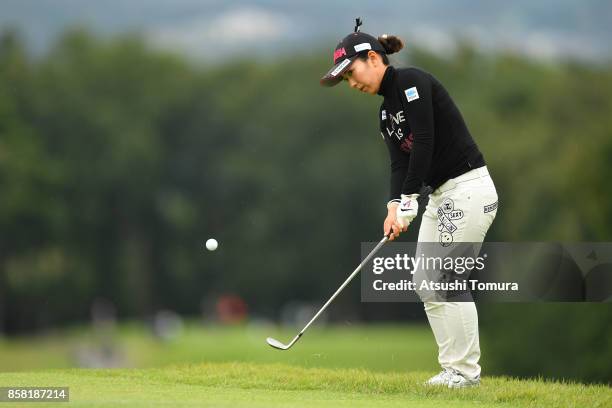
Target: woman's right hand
[391,224]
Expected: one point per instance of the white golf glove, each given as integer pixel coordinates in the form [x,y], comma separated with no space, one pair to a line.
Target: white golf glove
[408,209]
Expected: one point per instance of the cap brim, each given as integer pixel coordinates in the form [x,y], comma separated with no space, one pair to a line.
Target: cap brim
[334,75]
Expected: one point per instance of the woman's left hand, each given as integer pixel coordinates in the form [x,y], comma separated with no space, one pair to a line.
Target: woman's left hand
[408,209]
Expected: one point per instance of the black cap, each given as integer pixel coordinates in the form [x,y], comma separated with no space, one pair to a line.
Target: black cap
[346,51]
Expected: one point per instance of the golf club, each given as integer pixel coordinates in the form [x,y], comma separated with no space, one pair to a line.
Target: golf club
[278,345]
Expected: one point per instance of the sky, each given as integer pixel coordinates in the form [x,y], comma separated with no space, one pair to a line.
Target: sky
[546,29]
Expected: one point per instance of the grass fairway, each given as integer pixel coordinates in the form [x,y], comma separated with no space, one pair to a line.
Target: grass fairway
[373,347]
[274,385]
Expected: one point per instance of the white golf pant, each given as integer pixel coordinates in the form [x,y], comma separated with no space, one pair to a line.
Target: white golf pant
[472,200]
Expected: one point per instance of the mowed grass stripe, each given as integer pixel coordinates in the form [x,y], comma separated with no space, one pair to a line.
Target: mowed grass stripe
[249,384]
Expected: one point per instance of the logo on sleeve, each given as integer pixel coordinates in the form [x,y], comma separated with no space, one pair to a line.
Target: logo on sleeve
[383,115]
[411,94]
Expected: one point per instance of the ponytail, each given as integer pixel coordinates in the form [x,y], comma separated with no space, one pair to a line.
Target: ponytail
[391,43]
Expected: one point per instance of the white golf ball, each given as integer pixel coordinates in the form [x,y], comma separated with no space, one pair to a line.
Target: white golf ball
[212,244]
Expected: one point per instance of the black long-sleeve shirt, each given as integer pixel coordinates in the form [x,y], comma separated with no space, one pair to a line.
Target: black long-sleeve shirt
[426,135]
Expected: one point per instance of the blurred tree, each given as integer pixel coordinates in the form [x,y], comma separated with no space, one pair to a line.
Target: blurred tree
[569,341]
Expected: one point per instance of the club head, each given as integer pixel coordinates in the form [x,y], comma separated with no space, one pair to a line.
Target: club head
[277,344]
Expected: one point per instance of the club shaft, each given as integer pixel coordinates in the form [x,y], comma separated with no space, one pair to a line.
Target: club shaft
[346,282]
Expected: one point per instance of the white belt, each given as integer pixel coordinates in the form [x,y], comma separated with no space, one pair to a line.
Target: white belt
[467,176]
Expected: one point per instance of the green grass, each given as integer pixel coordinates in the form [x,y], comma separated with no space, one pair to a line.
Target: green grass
[273,385]
[208,365]
[375,347]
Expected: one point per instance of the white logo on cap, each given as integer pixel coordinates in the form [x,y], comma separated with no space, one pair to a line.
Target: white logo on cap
[363,46]
[340,67]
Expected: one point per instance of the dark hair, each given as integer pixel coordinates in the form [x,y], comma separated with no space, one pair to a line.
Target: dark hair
[390,43]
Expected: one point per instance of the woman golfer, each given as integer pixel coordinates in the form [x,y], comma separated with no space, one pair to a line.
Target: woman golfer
[429,145]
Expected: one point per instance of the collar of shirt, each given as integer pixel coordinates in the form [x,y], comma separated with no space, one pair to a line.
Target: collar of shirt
[387,81]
